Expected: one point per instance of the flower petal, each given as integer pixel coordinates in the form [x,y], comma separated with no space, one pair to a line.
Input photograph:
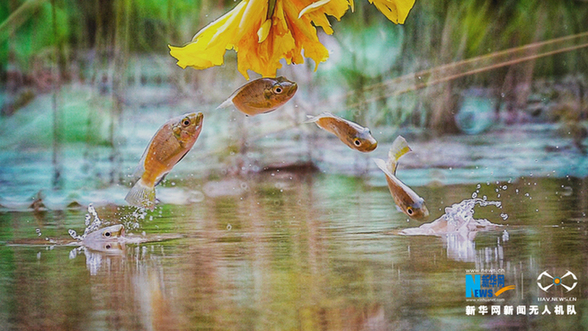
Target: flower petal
[395,10]
[264,30]
[312,7]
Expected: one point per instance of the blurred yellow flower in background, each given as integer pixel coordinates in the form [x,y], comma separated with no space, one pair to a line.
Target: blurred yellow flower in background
[263,32]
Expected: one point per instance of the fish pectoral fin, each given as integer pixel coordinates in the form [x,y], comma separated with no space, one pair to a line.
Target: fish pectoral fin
[141,195]
[165,174]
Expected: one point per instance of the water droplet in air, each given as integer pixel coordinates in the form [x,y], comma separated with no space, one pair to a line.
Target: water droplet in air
[567,191]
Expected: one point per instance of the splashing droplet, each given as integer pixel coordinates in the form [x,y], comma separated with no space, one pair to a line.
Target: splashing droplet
[92,222]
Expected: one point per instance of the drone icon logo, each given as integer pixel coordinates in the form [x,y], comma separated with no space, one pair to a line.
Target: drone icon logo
[557,281]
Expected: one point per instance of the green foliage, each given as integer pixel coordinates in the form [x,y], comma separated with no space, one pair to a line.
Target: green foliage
[35,35]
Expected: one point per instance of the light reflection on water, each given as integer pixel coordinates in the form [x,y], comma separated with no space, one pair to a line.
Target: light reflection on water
[294,251]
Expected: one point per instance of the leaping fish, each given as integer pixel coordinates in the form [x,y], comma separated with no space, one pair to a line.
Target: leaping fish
[405,198]
[352,134]
[262,95]
[167,147]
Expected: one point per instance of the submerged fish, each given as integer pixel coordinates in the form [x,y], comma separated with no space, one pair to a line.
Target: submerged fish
[352,134]
[406,199]
[169,145]
[261,95]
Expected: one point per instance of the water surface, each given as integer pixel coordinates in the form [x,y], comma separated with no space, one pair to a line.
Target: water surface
[283,250]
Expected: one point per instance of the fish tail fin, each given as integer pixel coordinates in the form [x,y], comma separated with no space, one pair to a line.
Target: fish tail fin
[399,148]
[141,195]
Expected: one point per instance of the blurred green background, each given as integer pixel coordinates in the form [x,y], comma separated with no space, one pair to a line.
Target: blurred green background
[47,44]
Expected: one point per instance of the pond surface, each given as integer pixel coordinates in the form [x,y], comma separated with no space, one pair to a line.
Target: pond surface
[291,250]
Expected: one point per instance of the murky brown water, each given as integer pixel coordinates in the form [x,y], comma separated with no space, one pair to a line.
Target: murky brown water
[299,251]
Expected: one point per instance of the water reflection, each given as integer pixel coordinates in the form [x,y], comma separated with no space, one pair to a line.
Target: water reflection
[289,251]
[99,256]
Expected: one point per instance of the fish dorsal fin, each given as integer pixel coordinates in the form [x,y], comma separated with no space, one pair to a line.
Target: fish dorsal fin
[399,148]
[140,169]
[312,119]
[229,100]
[384,167]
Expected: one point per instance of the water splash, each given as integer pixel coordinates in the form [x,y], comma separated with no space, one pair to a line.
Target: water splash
[459,218]
[132,221]
[92,222]
[458,228]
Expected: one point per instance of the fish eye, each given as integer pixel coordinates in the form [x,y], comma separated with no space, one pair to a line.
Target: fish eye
[357,142]
[278,89]
[409,210]
[107,234]
[186,121]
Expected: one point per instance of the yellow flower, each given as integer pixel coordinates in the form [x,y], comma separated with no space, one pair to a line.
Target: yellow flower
[395,10]
[263,32]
